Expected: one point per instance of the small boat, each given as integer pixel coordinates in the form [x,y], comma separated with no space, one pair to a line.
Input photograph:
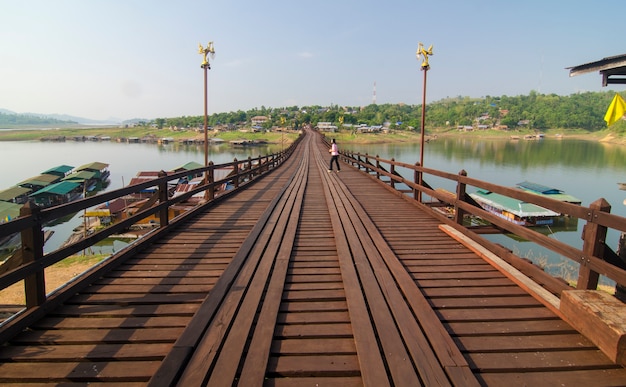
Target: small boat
[513,210]
[622,186]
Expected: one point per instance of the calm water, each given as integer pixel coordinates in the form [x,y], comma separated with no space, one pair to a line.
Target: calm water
[587,170]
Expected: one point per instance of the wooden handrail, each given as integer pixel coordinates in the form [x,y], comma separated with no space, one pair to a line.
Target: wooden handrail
[597,215]
[29,262]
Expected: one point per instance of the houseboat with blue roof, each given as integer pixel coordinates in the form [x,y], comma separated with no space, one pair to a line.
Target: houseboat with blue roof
[548,192]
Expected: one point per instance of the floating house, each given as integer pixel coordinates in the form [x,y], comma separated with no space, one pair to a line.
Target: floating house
[61,171]
[513,210]
[189,167]
[38,182]
[16,194]
[101,170]
[57,193]
[548,192]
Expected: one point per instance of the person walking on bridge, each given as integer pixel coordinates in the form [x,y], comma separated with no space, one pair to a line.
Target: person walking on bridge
[334,156]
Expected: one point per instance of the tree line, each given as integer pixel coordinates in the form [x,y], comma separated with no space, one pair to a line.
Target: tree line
[16,120]
[534,111]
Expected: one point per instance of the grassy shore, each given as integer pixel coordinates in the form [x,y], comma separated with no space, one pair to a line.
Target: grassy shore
[116,133]
[346,137]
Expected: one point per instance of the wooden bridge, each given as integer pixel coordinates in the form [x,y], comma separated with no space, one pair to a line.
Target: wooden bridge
[306,278]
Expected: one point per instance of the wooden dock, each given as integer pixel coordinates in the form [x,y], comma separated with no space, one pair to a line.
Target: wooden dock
[307,277]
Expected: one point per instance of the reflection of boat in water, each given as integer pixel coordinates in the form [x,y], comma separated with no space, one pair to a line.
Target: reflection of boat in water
[560,224]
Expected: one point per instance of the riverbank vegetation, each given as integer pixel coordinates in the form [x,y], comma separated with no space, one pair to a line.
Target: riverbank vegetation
[580,115]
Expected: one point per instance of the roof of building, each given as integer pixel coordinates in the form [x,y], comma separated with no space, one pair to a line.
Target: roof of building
[60,188]
[612,69]
[41,180]
[189,166]
[81,176]
[96,166]
[552,193]
[13,192]
[60,170]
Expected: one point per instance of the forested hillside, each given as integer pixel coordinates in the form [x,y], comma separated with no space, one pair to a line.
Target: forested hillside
[534,111]
[8,120]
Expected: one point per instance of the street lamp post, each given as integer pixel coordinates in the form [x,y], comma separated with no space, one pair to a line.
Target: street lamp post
[204,51]
[423,54]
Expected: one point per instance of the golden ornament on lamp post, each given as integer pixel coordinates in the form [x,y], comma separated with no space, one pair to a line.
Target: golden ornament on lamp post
[204,51]
[423,54]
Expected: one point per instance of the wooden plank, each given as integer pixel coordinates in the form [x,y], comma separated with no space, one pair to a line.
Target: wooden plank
[545,297]
[431,371]
[83,336]
[515,327]
[88,352]
[599,316]
[372,365]
[255,363]
[528,342]
[318,366]
[78,372]
[591,377]
[341,346]
[348,381]
[540,361]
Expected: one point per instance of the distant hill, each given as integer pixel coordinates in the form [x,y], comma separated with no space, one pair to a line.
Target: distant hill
[11,119]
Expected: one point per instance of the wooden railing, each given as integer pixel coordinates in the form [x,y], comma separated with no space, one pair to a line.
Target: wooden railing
[595,258]
[29,261]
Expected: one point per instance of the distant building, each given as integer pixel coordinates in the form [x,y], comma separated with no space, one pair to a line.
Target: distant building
[326,127]
[259,120]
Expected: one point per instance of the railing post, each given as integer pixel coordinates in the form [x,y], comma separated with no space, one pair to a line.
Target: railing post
[620,289]
[460,197]
[236,173]
[392,170]
[377,168]
[366,164]
[211,180]
[417,179]
[32,250]
[163,213]
[594,239]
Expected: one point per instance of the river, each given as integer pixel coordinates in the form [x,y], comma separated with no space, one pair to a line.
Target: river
[586,169]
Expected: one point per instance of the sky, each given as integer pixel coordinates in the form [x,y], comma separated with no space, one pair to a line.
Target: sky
[125,59]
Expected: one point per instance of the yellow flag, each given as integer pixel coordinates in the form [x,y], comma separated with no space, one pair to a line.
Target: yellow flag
[616,110]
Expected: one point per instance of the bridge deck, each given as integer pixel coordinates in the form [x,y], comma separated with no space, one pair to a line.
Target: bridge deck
[306,278]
